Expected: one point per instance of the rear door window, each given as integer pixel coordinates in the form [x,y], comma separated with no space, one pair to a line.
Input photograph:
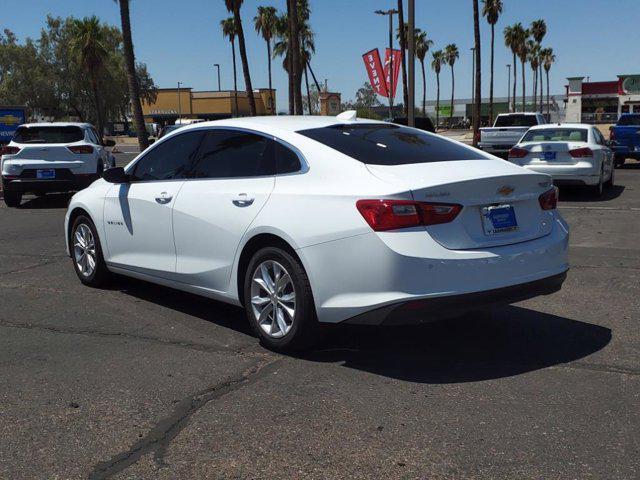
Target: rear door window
[287,160]
[387,144]
[516,121]
[53,134]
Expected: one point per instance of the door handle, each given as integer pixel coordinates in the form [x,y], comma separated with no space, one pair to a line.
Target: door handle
[242,200]
[164,198]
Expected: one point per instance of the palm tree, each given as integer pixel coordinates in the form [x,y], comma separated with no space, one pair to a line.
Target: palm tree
[533,51]
[523,54]
[451,54]
[492,10]
[233,6]
[421,48]
[88,45]
[538,31]
[229,30]
[513,36]
[132,78]
[436,64]
[478,88]
[548,58]
[403,47]
[265,23]
[296,65]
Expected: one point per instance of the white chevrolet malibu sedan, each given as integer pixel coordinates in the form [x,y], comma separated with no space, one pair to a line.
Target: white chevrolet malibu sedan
[307,221]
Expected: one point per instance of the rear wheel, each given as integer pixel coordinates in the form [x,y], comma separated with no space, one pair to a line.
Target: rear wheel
[86,253]
[279,302]
[619,161]
[609,183]
[597,190]
[12,199]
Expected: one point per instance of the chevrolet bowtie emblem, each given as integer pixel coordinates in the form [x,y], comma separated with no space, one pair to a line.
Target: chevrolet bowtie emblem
[506,190]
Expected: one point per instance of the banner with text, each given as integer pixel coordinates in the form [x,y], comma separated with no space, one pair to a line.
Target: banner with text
[397,59]
[375,71]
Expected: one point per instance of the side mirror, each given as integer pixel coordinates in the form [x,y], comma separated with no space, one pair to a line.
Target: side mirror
[109,143]
[116,175]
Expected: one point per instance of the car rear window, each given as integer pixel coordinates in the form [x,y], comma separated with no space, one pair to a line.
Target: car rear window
[386,144]
[629,120]
[48,135]
[516,121]
[556,135]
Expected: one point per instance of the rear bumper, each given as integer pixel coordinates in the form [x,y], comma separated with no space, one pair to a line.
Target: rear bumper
[440,308]
[36,185]
[582,173]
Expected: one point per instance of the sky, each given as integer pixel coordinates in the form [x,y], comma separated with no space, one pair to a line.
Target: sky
[181,40]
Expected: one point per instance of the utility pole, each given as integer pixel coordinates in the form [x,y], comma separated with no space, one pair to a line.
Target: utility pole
[217,65]
[179,104]
[390,13]
[509,87]
[412,59]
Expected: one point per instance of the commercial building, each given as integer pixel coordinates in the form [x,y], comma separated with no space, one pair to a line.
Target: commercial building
[174,103]
[601,102]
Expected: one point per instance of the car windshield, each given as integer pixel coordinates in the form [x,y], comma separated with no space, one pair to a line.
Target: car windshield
[556,135]
[68,134]
[629,120]
[516,121]
[384,144]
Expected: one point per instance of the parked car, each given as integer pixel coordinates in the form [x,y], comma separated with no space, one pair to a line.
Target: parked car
[625,138]
[52,157]
[507,130]
[573,154]
[423,123]
[322,220]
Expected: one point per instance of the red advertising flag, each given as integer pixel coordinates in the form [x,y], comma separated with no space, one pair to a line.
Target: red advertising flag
[397,58]
[375,71]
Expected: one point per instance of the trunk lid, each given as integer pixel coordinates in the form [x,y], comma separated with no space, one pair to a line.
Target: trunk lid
[45,156]
[550,153]
[476,185]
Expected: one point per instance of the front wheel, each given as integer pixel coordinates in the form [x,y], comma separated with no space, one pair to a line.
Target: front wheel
[86,253]
[279,302]
[12,199]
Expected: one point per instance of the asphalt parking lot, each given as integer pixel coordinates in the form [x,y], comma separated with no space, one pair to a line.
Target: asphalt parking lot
[141,382]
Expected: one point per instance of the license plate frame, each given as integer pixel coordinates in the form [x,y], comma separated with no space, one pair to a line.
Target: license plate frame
[46,173]
[498,219]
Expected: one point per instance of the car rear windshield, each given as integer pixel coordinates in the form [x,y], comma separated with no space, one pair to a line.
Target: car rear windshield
[629,120]
[556,135]
[516,121]
[386,144]
[48,135]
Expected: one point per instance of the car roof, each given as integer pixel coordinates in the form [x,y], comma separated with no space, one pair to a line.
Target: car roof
[560,125]
[517,113]
[56,124]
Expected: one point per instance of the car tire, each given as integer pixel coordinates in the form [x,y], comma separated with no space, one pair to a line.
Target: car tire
[90,268]
[284,318]
[12,199]
[619,161]
[598,189]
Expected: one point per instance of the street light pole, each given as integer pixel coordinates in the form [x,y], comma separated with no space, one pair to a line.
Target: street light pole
[412,59]
[509,87]
[217,65]
[390,13]
[179,104]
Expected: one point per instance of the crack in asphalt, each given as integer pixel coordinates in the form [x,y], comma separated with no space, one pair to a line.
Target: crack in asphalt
[144,338]
[160,436]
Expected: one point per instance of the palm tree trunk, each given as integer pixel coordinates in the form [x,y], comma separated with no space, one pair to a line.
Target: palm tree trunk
[437,99]
[272,110]
[515,75]
[132,79]
[403,46]
[453,87]
[424,91]
[294,41]
[541,89]
[548,104]
[535,88]
[235,76]
[306,81]
[243,58]
[478,69]
[491,76]
[524,89]
[96,100]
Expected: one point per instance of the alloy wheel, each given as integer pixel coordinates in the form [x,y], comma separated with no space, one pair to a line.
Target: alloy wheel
[273,299]
[84,250]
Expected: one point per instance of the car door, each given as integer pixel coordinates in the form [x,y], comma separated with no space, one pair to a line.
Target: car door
[604,151]
[233,178]
[138,214]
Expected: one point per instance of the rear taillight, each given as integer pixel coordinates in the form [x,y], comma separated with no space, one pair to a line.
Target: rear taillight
[549,199]
[584,152]
[9,150]
[382,215]
[82,149]
[517,152]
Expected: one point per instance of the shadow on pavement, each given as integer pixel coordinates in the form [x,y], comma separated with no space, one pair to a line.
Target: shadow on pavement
[581,194]
[512,341]
[50,200]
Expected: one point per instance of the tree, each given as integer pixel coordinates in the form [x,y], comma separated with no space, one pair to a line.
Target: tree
[132,78]
[512,38]
[478,89]
[229,31]
[265,23]
[436,64]
[403,48]
[422,47]
[523,54]
[296,70]
[451,54]
[533,52]
[548,58]
[88,46]
[538,31]
[233,6]
[492,10]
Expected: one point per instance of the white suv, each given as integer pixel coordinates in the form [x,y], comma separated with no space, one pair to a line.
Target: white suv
[52,157]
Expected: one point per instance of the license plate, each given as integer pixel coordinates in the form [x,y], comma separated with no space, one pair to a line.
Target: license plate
[47,174]
[498,219]
[548,155]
